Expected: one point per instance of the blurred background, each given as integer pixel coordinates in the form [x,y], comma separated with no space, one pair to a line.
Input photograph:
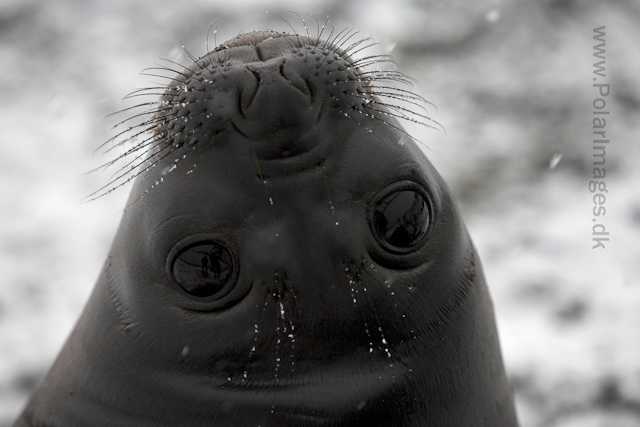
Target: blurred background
[512,82]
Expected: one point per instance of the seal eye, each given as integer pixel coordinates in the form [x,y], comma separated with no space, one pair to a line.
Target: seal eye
[203,269]
[401,220]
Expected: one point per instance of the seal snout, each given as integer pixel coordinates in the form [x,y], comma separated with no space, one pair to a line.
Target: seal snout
[278,102]
[275,90]
[280,106]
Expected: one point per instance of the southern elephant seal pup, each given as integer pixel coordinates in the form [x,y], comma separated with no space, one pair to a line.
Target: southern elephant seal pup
[288,257]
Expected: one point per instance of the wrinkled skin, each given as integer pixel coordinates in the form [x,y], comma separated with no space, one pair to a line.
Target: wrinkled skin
[319,323]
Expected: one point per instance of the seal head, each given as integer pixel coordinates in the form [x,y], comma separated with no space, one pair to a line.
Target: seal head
[288,257]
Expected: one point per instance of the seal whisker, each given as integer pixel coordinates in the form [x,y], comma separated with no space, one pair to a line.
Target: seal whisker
[385,75]
[207,41]
[335,44]
[156,123]
[159,139]
[405,92]
[362,64]
[403,116]
[175,63]
[362,125]
[157,75]
[144,143]
[304,23]
[345,39]
[295,33]
[123,175]
[137,91]
[319,40]
[398,128]
[333,48]
[144,104]
[326,42]
[368,46]
[385,58]
[161,67]
[386,123]
[164,173]
[148,94]
[315,45]
[147,126]
[144,113]
[396,97]
[193,58]
[364,39]
[216,64]
[399,109]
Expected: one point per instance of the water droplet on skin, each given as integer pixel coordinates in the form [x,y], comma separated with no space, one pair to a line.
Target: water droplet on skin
[185,350]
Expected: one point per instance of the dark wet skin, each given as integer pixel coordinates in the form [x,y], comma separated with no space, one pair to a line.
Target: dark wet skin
[303,265]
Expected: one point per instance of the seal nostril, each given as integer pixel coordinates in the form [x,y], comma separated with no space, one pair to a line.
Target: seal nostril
[259,53]
[255,74]
[240,107]
[235,127]
[292,74]
[309,89]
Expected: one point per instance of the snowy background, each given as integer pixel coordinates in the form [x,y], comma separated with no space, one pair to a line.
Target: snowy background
[512,83]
